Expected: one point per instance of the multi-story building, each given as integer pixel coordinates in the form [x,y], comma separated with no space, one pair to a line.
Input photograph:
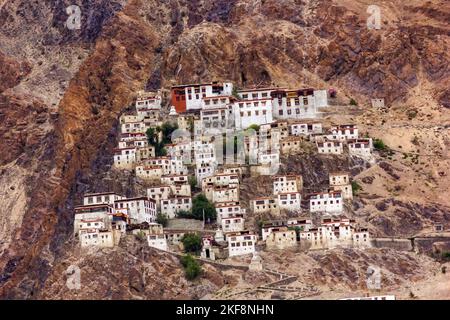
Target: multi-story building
[101,198]
[240,243]
[290,201]
[171,206]
[300,103]
[326,202]
[300,224]
[287,183]
[222,193]
[343,132]
[221,179]
[141,209]
[305,128]
[336,233]
[292,145]
[125,158]
[228,209]
[249,112]
[330,147]
[281,238]
[339,181]
[233,223]
[190,96]
[265,204]
[360,147]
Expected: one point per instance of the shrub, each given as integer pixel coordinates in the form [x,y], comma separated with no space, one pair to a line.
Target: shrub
[353,102]
[378,144]
[355,188]
[192,242]
[162,219]
[192,268]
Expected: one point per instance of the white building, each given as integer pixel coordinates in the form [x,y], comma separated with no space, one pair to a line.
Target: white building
[223,193]
[220,179]
[101,198]
[360,147]
[151,172]
[204,170]
[290,201]
[330,147]
[287,183]
[343,132]
[305,128]
[194,93]
[157,241]
[139,210]
[125,158]
[174,179]
[339,181]
[251,112]
[233,223]
[301,103]
[336,233]
[326,202]
[228,209]
[240,243]
[98,238]
[301,224]
[158,193]
[170,207]
[264,204]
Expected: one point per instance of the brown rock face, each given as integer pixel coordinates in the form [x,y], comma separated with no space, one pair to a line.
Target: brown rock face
[61,91]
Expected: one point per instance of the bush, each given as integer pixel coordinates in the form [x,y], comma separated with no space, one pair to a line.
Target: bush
[355,188]
[201,204]
[192,268]
[162,219]
[192,242]
[378,144]
[353,102]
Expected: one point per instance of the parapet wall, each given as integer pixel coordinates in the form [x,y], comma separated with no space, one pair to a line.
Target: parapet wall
[397,244]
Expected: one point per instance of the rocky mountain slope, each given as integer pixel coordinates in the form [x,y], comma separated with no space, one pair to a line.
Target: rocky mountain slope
[62,90]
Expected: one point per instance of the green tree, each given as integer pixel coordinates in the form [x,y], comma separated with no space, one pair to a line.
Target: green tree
[185,214]
[192,242]
[162,219]
[201,204]
[192,268]
[152,137]
[192,181]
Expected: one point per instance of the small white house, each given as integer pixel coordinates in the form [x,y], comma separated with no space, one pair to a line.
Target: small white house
[326,202]
[287,183]
[330,147]
[290,201]
[360,147]
[241,243]
[157,241]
